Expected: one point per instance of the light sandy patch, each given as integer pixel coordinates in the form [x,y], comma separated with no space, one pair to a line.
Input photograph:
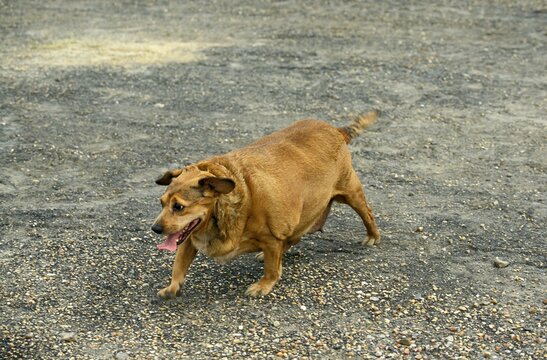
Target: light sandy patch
[92,52]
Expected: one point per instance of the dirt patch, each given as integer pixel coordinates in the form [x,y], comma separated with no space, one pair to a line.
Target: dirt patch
[107,52]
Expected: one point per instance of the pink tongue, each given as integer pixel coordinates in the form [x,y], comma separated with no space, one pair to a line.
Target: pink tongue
[170,242]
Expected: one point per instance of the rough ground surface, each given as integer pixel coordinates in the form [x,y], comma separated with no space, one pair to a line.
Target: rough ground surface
[98,98]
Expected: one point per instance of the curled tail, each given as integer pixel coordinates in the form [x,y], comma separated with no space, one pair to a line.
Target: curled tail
[358,125]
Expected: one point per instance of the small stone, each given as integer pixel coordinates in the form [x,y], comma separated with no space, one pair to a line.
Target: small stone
[122,356]
[487,354]
[405,342]
[420,229]
[378,352]
[499,263]
[68,336]
[276,323]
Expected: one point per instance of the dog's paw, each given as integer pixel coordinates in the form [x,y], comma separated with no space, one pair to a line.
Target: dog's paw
[260,288]
[260,256]
[169,292]
[371,240]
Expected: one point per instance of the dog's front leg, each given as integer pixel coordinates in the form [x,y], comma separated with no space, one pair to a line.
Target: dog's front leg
[185,255]
[273,254]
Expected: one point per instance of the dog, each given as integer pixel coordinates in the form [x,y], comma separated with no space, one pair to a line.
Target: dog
[261,198]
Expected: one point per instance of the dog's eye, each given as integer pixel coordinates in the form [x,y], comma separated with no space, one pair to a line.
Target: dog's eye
[177,207]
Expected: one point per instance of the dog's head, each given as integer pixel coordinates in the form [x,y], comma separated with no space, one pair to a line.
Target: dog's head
[188,203]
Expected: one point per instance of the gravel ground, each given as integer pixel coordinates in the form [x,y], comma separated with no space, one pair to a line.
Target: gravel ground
[97,98]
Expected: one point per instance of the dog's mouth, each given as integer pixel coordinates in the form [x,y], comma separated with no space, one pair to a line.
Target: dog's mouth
[173,240]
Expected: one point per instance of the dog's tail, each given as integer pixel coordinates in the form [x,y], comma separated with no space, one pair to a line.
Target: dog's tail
[358,125]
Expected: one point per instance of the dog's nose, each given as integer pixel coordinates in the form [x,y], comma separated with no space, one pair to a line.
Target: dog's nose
[157,228]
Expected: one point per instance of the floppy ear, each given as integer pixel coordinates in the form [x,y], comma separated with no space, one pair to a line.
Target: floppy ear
[166,178]
[220,185]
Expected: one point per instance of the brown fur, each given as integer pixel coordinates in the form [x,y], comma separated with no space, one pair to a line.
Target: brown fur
[264,197]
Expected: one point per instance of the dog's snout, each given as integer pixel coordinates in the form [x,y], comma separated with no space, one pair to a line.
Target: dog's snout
[157,228]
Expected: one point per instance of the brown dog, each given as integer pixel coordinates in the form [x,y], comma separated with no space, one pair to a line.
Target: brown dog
[262,197]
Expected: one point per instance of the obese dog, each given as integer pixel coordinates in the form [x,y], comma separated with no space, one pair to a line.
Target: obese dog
[263,197]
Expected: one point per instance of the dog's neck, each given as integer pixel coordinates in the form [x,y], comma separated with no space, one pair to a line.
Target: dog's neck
[227,220]
[210,231]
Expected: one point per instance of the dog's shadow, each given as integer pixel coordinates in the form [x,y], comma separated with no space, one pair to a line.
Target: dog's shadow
[209,281]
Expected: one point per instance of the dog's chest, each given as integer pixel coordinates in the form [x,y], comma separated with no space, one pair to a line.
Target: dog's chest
[202,244]
[227,257]
[221,251]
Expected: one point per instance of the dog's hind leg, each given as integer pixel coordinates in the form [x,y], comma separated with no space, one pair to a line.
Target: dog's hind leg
[354,196]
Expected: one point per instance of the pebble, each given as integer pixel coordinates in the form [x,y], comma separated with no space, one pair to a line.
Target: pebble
[405,342]
[499,263]
[122,356]
[68,336]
